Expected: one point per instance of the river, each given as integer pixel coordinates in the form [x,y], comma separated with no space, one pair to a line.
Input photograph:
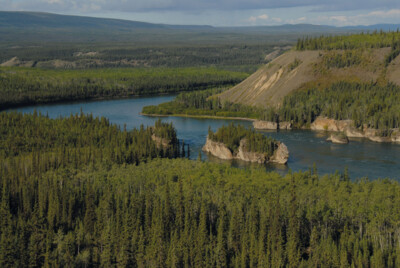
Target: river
[363,158]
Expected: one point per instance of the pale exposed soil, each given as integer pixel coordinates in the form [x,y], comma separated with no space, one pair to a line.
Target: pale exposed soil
[272,82]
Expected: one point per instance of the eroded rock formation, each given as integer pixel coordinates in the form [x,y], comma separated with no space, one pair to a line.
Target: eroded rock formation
[348,128]
[220,150]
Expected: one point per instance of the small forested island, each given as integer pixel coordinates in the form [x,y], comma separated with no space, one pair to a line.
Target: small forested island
[235,141]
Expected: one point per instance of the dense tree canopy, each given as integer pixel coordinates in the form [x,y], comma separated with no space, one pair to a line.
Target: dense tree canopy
[354,41]
[372,104]
[376,105]
[36,143]
[203,103]
[159,215]
[24,86]
[72,194]
[232,134]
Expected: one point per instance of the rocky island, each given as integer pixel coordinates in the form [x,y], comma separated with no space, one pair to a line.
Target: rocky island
[236,142]
[338,138]
[342,130]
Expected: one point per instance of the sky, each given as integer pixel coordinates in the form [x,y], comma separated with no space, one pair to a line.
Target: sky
[223,12]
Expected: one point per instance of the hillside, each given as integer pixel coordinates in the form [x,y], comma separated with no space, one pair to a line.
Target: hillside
[39,27]
[306,67]
[272,82]
[49,20]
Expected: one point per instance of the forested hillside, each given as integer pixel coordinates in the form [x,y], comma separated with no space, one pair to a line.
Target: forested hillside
[376,106]
[361,41]
[354,78]
[23,86]
[320,62]
[246,57]
[157,214]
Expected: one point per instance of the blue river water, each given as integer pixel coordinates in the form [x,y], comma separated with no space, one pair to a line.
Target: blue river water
[363,158]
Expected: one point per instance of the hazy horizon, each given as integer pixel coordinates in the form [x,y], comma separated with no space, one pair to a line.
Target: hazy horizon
[222,13]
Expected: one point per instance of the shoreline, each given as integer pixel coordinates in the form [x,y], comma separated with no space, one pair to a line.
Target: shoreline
[378,140]
[83,100]
[200,116]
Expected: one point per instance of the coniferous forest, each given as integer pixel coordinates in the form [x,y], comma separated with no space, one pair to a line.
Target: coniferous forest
[84,193]
[79,191]
[372,104]
[203,103]
[24,86]
[232,134]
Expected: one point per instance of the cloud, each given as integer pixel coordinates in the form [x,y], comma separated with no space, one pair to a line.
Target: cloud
[277,20]
[194,5]
[297,21]
[391,16]
[385,14]
[263,17]
[366,18]
[341,19]
[257,18]
[54,1]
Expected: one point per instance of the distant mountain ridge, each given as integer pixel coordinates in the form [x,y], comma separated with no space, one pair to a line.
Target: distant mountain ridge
[51,20]
[18,26]
[43,19]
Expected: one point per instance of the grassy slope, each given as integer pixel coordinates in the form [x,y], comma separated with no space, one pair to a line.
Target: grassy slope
[271,83]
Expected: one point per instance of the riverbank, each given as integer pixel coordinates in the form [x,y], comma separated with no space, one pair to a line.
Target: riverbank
[364,158]
[201,116]
[320,124]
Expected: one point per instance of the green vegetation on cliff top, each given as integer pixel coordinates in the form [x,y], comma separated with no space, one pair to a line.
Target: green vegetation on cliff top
[232,135]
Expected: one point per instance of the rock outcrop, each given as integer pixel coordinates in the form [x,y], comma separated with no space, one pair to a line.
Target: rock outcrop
[281,155]
[323,123]
[220,150]
[265,125]
[285,125]
[245,155]
[160,142]
[217,149]
[338,138]
[269,125]
[348,128]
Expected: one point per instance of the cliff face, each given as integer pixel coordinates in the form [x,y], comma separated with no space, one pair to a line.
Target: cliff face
[285,125]
[217,149]
[268,125]
[281,155]
[245,155]
[339,139]
[220,150]
[160,142]
[347,127]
